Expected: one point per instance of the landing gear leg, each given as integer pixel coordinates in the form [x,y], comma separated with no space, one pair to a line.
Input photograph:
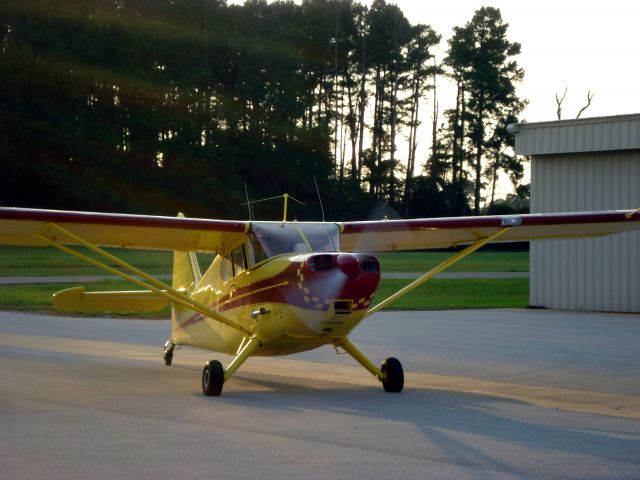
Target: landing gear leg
[391,374]
[168,352]
[214,376]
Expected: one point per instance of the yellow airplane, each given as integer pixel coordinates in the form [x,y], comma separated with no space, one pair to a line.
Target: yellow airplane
[273,288]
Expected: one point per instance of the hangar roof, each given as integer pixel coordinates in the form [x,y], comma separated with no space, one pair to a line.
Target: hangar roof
[598,134]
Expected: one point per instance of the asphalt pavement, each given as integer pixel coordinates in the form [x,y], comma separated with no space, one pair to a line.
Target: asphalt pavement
[495,394]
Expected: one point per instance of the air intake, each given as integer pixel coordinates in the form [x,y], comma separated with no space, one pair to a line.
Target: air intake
[342,307]
[370,266]
[321,263]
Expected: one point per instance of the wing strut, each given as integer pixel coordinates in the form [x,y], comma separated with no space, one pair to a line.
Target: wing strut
[434,271]
[147,281]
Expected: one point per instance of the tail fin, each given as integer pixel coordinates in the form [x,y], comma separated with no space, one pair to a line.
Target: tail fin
[186,271]
[186,275]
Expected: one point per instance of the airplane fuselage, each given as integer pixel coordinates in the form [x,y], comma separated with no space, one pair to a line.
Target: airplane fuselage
[291,301]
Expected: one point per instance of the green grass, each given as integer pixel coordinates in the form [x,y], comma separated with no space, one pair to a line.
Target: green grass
[37,297]
[25,261]
[444,294]
[438,294]
[47,261]
[477,262]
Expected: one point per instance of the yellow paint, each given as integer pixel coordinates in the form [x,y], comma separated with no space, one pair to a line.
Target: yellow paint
[628,215]
[155,285]
[361,358]
[77,300]
[253,292]
[286,199]
[242,357]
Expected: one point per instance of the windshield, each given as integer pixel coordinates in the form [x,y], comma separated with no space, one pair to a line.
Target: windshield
[269,239]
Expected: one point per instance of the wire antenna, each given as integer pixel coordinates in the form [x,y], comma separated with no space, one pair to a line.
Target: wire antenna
[319,197]
[253,202]
[246,191]
[285,196]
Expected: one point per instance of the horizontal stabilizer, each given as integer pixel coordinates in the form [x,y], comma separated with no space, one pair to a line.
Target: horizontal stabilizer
[76,300]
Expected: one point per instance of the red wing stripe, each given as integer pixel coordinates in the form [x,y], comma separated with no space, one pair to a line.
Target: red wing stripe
[58,216]
[494,221]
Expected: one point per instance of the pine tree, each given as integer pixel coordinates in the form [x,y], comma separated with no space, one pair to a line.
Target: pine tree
[480,56]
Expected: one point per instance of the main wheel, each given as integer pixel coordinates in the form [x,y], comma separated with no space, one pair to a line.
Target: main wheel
[212,378]
[394,375]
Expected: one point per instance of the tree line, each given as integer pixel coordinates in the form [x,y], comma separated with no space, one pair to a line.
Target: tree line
[195,105]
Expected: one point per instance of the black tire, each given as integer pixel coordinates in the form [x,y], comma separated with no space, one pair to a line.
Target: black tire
[212,378]
[168,357]
[394,380]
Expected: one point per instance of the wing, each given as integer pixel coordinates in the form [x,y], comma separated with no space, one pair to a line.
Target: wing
[20,226]
[426,233]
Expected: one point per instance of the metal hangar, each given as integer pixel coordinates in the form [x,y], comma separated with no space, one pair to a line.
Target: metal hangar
[581,165]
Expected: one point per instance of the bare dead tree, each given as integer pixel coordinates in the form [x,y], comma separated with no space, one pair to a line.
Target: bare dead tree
[559,102]
[589,98]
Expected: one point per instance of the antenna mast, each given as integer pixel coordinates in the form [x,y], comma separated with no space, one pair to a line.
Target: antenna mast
[286,198]
[246,191]
[319,197]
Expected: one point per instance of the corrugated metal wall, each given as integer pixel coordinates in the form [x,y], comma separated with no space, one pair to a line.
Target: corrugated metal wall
[595,274]
[584,135]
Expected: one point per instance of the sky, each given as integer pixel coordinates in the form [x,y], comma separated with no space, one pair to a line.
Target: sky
[583,46]
[587,46]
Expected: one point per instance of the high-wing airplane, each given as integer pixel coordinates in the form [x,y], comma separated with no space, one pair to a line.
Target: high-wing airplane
[273,288]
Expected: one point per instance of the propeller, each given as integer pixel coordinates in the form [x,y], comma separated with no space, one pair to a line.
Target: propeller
[326,277]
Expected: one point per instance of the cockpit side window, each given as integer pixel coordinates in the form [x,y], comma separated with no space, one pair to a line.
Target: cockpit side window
[255,252]
[238,258]
[226,270]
